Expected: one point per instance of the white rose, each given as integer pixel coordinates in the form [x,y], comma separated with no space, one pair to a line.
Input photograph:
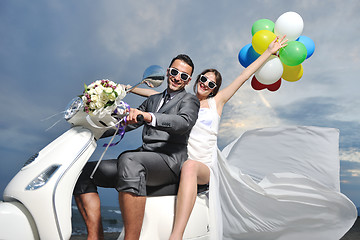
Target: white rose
[99,104]
[104,97]
[92,105]
[94,83]
[94,98]
[112,97]
[120,91]
[99,89]
[91,91]
[108,90]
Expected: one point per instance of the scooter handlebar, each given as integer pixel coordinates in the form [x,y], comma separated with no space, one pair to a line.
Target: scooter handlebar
[140,118]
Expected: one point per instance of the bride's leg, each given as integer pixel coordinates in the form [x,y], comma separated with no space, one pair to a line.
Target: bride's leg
[192,174]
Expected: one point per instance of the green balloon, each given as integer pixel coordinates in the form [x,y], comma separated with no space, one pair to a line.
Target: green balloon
[293,54]
[262,24]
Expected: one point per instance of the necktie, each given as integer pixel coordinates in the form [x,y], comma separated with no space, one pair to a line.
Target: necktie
[166,99]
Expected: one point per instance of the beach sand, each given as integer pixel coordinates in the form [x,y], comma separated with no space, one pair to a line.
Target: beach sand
[352,234]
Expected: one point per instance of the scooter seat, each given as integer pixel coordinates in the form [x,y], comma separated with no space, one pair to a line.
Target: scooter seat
[170,190]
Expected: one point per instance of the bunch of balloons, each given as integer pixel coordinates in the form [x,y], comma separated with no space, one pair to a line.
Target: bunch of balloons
[287,64]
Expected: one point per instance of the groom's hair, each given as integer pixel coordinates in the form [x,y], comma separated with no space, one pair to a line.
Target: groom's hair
[185,58]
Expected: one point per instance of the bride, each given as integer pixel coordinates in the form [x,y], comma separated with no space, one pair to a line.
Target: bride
[288,202]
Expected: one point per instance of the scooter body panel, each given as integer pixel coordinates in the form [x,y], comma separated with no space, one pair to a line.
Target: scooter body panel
[50,204]
[159,219]
[14,216]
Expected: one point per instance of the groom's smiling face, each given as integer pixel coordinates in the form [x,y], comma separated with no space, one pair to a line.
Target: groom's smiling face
[174,82]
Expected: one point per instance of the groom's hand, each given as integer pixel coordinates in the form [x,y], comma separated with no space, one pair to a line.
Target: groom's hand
[133,116]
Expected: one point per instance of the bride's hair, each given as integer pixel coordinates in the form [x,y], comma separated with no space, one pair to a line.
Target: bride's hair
[218,80]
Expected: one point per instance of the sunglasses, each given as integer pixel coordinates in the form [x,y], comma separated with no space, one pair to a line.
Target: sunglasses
[183,76]
[210,83]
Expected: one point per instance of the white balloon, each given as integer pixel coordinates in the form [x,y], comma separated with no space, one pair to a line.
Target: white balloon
[290,24]
[271,71]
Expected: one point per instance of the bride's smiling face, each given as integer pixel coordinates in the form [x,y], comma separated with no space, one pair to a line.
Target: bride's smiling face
[205,87]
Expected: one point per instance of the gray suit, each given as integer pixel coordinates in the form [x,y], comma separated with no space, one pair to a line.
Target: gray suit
[158,161]
[174,122]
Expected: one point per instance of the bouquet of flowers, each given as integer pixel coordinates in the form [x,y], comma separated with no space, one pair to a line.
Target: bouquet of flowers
[101,97]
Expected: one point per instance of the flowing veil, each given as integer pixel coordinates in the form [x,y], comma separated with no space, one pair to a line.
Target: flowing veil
[283,183]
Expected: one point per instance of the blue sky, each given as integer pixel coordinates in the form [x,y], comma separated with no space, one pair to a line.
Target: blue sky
[48,49]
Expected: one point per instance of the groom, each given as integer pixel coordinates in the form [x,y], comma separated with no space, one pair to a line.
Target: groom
[168,119]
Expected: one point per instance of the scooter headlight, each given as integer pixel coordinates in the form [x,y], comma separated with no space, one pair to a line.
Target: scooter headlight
[73,107]
[43,178]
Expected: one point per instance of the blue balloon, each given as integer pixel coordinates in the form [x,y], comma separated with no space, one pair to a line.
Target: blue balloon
[247,55]
[309,44]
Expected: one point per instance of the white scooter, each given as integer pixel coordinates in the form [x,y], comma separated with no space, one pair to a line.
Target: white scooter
[37,201]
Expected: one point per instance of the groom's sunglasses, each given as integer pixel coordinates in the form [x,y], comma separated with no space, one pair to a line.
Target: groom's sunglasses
[183,76]
[210,84]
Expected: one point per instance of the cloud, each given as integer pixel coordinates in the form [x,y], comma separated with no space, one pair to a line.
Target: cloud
[246,110]
[50,48]
[350,173]
[354,172]
[308,110]
[138,26]
[350,155]
[321,111]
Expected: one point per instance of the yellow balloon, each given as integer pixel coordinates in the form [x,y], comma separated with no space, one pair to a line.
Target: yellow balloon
[261,40]
[292,73]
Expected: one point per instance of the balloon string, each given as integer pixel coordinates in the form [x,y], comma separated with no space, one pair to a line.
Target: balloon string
[121,134]
[102,155]
[120,127]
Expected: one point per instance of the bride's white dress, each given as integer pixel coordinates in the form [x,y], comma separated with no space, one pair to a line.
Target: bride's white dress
[273,183]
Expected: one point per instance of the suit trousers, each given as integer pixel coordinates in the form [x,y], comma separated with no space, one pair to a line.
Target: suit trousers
[131,172]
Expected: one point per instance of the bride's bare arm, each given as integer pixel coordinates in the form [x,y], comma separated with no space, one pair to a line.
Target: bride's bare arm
[144,92]
[224,95]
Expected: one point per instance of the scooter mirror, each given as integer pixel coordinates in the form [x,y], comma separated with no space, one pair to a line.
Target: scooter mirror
[73,107]
[153,76]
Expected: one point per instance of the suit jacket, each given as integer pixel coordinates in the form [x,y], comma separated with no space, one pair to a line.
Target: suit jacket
[174,121]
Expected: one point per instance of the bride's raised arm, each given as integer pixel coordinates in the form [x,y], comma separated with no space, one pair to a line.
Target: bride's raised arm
[224,95]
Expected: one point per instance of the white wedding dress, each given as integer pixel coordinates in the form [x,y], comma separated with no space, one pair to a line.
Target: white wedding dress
[273,183]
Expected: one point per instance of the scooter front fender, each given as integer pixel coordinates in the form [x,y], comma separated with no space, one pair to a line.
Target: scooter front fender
[16,222]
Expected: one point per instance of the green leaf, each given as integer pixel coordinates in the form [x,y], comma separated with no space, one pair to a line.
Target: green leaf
[109,103]
[86,87]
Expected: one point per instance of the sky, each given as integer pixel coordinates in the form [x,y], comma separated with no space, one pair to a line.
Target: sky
[50,48]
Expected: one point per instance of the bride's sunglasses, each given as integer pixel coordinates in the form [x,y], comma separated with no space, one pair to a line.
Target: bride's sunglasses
[210,83]
[183,76]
